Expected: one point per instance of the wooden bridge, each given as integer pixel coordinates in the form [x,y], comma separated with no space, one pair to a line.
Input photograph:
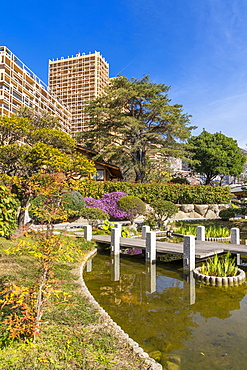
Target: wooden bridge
[203,249]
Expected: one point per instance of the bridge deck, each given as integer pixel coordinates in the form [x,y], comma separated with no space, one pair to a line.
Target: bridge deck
[203,249]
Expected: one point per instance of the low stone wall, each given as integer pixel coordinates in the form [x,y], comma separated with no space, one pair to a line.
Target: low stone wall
[209,211]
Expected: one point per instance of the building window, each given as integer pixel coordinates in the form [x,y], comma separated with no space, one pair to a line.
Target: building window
[99,176]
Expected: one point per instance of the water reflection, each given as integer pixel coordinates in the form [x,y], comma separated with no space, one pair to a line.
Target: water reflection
[150,273]
[189,287]
[89,265]
[115,267]
[170,314]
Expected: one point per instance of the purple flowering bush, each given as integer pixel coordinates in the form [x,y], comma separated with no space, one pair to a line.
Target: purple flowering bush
[94,203]
[108,204]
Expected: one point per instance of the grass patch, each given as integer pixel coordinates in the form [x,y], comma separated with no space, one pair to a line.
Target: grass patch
[73,336]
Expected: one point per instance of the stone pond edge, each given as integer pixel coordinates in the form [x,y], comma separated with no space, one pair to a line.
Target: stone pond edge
[220,281]
[153,365]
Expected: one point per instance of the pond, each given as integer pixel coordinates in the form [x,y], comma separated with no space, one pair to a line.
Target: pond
[182,324]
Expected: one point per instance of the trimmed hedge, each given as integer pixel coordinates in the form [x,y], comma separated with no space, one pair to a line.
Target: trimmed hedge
[175,193]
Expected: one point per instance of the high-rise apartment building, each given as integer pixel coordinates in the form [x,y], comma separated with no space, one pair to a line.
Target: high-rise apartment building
[19,87]
[75,81]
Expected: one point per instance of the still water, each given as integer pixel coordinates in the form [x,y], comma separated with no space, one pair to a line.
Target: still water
[182,324]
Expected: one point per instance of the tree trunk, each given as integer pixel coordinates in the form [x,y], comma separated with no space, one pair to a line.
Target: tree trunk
[139,161]
[140,176]
[208,179]
[24,204]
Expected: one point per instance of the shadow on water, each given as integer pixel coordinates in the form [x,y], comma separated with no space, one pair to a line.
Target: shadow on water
[173,318]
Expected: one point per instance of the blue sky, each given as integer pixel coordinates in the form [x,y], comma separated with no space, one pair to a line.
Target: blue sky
[198,47]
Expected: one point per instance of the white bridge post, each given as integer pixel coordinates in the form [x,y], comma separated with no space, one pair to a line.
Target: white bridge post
[150,246]
[115,240]
[119,226]
[235,239]
[145,229]
[200,233]
[189,259]
[88,232]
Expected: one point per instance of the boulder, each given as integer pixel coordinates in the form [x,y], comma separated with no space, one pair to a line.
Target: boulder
[213,207]
[194,215]
[180,215]
[201,209]
[187,208]
[211,214]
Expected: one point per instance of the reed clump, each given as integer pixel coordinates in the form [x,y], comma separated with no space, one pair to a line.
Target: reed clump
[224,266]
[212,231]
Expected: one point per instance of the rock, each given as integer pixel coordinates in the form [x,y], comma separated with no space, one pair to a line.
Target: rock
[211,214]
[213,207]
[187,208]
[201,209]
[194,215]
[180,215]
[223,206]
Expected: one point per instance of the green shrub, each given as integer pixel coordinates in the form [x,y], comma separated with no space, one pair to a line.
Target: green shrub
[133,206]
[72,202]
[150,220]
[162,210]
[228,213]
[8,212]
[149,192]
[94,214]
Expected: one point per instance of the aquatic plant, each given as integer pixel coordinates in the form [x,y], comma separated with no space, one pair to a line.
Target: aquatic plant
[220,266]
[212,231]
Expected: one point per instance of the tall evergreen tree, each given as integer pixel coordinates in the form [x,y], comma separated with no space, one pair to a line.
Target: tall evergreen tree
[135,125]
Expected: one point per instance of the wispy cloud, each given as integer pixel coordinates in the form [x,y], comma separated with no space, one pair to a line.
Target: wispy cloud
[228,115]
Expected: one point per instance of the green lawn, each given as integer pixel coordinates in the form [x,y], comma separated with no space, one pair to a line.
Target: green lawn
[72,336]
